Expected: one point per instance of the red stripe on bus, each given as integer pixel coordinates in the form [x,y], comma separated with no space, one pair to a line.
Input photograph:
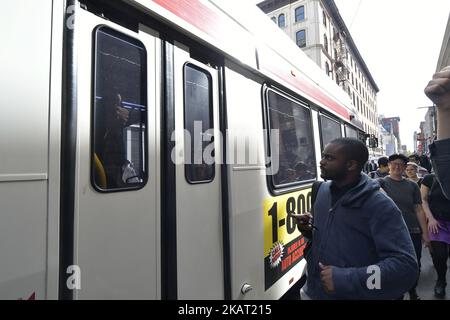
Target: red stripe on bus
[206,20]
[309,89]
[196,14]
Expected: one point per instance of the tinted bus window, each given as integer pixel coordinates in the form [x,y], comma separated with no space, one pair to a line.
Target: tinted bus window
[350,132]
[295,148]
[119,112]
[329,130]
[198,122]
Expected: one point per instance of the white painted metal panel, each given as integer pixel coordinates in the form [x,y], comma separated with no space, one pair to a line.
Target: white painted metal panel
[24,86]
[54,151]
[26,27]
[199,211]
[116,233]
[247,188]
[248,193]
[23,238]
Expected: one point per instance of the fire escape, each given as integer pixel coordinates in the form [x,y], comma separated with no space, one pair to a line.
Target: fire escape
[341,62]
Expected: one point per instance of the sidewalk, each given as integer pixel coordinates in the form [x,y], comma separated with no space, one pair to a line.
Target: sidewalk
[428,277]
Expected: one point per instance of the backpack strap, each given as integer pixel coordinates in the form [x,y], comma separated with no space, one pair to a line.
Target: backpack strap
[315,189]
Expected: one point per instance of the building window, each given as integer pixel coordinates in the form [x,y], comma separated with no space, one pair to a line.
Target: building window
[335,54]
[119,140]
[325,43]
[274,19]
[300,14]
[324,18]
[300,37]
[327,68]
[294,151]
[281,21]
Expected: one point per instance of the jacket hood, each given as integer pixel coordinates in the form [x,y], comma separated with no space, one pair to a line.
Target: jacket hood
[356,196]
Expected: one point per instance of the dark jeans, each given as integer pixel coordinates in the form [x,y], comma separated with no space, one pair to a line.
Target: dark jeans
[440,254]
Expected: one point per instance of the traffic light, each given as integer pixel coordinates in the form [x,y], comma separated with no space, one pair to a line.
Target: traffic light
[373,141]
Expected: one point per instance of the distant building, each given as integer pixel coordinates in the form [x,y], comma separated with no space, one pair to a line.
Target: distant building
[404,149]
[390,144]
[444,56]
[392,126]
[317,27]
[416,141]
[428,132]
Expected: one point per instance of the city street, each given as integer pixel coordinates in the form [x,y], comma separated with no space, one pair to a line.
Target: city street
[428,278]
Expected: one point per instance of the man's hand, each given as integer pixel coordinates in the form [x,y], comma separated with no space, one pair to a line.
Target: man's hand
[438,89]
[326,276]
[304,221]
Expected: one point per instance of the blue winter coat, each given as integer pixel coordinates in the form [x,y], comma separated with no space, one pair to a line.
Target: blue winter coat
[364,228]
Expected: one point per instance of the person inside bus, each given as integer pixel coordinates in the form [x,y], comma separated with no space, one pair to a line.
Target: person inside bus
[110,144]
[438,90]
[360,247]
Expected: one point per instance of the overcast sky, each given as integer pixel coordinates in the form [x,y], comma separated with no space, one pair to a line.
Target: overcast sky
[400,41]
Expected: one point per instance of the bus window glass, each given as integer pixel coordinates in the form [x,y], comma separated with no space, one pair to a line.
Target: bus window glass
[198,122]
[119,112]
[295,148]
[329,129]
[350,132]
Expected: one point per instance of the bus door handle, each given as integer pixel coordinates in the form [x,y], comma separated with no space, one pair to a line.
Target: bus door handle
[246,288]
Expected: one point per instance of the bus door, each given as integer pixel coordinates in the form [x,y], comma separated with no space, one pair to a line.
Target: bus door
[116,207]
[199,243]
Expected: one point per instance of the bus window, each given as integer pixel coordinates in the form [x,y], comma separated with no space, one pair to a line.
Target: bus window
[295,148]
[198,120]
[350,132]
[330,129]
[119,116]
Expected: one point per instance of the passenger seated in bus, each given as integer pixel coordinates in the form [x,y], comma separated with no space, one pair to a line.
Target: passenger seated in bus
[110,144]
[302,172]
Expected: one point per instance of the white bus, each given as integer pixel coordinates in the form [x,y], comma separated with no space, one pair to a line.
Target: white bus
[97,198]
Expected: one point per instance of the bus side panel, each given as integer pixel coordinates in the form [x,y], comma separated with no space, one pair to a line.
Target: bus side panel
[24,103]
[247,185]
[252,244]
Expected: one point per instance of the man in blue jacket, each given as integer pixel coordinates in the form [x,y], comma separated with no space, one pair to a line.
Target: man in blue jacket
[360,246]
